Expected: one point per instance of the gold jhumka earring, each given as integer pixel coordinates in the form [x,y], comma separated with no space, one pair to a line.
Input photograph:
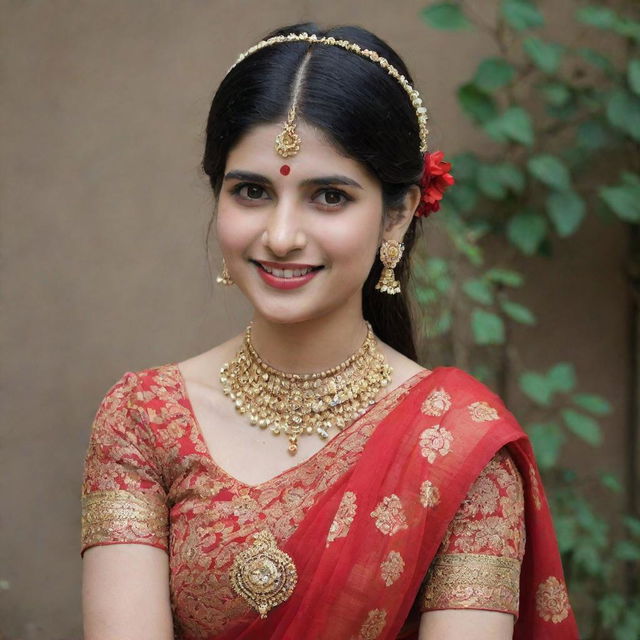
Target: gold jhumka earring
[225,277]
[390,254]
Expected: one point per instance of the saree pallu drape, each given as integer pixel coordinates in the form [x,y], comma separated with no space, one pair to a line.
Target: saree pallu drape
[363,550]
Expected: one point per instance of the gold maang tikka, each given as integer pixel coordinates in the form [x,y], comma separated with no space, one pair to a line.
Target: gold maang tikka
[288,141]
[390,254]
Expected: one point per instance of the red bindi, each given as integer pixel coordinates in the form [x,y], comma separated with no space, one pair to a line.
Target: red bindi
[285,169]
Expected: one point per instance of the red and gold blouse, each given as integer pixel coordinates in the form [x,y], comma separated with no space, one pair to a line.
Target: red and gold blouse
[149,479]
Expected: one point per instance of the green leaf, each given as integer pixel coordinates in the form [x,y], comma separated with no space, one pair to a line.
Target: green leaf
[536,387]
[566,210]
[633,524]
[628,29]
[511,177]
[477,104]
[443,323]
[623,112]
[592,403]
[526,230]
[627,551]
[624,199]
[505,276]
[595,58]
[521,14]
[610,606]
[518,312]
[566,533]
[611,482]
[545,55]
[583,426]
[547,440]
[556,94]
[562,377]
[487,327]
[592,135]
[600,17]
[478,290]
[493,73]
[465,166]
[514,123]
[464,197]
[489,182]
[550,170]
[633,75]
[446,16]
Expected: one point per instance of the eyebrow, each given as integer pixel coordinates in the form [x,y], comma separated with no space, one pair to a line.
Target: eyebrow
[249,176]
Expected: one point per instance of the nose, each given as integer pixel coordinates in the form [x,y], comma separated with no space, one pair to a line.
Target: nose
[283,232]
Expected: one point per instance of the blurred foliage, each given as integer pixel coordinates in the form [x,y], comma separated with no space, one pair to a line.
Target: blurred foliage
[561,126]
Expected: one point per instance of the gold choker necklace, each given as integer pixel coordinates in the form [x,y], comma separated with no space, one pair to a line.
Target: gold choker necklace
[296,404]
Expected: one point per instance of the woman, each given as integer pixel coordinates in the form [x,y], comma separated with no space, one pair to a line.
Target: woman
[403,502]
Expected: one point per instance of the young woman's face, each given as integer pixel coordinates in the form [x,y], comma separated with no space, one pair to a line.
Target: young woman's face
[317,209]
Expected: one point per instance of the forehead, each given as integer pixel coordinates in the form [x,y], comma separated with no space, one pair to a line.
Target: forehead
[317,154]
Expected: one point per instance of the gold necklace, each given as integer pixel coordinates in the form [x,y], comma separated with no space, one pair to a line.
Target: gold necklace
[297,404]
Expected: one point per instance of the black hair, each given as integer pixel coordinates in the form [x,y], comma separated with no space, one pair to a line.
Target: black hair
[364,112]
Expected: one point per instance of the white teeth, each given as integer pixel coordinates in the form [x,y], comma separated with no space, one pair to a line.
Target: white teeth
[287,273]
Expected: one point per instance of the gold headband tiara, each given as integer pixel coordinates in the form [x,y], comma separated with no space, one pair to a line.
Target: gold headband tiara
[288,141]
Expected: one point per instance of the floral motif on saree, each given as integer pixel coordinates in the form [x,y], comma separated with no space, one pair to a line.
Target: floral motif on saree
[436,403]
[429,494]
[391,568]
[344,517]
[482,411]
[552,601]
[435,441]
[389,515]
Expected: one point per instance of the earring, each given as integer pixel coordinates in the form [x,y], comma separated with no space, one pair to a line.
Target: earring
[225,277]
[390,254]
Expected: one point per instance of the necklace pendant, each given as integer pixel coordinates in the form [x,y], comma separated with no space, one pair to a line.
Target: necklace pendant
[293,445]
[263,575]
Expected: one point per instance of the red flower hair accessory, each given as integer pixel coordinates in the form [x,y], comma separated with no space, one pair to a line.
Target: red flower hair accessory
[435,180]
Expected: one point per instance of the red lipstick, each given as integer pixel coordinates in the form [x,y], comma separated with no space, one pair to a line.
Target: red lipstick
[285,283]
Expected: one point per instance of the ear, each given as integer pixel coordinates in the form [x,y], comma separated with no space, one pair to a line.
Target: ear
[397,224]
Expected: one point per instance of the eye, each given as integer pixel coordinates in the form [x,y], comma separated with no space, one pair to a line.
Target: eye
[333,198]
[248,191]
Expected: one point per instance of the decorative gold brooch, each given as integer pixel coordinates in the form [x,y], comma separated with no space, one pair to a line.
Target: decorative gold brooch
[263,575]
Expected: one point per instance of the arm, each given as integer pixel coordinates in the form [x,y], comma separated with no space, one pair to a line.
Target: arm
[472,588]
[125,593]
[471,624]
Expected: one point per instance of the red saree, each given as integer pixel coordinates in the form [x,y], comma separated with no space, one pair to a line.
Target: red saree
[387,489]
[452,425]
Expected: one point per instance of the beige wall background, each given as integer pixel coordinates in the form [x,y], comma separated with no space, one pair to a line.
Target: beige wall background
[103,267]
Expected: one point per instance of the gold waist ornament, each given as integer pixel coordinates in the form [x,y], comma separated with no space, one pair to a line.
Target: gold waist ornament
[296,404]
[263,575]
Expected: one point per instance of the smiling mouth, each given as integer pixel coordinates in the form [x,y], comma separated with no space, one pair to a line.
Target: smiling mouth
[286,273]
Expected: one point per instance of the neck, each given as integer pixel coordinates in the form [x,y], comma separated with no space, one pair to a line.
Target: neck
[309,346]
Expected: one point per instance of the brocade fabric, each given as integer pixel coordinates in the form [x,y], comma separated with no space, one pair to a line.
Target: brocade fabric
[150,479]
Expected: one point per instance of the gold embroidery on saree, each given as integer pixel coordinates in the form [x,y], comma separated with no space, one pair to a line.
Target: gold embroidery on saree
[435,441]
[123,516]
[373,625]
[535,488]
[552,601]
[482,411]
[429,494]
[437,403]
[472,581]
[389,516]
[344,517]
[392,567]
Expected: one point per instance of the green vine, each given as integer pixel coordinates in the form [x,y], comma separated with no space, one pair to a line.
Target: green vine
[562,123]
